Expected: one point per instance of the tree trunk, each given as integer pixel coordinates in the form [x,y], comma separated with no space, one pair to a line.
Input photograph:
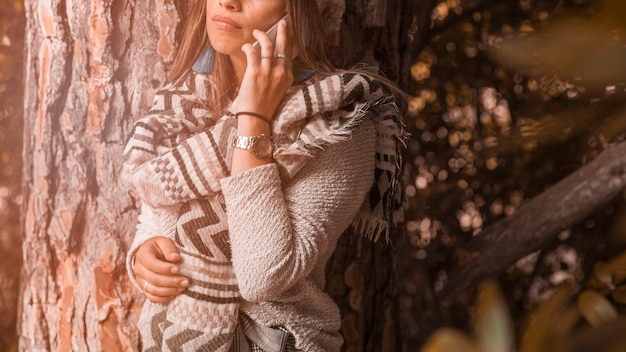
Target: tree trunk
[365,278]
[91,69]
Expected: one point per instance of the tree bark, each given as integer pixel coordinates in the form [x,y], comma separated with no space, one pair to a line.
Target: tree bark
[364,277]
[90,68]
[539,221]
[360,279]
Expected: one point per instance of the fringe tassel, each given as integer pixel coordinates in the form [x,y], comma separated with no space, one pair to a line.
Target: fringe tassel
[371,227]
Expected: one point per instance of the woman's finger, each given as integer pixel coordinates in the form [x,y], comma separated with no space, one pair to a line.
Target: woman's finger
[159,299]
[155,265]
[267,77]
[167,281]
[283,47]
[160,291]
[161,278]
[167,248]
[267,48]
[150,256]
[151,267]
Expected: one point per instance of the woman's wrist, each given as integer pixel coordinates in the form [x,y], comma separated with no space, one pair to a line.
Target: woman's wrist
[248,125]
[265,118]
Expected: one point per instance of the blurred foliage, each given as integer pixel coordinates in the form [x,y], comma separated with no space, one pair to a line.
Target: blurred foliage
[591,324]
[510,97]
[12,24]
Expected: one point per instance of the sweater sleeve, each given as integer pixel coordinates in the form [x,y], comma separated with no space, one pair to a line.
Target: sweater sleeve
[279,232]
[151,222]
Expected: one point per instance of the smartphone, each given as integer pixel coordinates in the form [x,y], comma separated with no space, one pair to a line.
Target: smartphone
[271,33]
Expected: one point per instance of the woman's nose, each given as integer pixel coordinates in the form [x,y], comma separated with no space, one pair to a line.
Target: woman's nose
[231,4]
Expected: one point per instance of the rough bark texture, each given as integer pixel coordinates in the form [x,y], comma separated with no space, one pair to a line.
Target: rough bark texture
[91,68]
[360,279]
[363,277]
[379,33]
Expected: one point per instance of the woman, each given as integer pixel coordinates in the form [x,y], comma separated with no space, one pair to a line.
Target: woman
[248,168]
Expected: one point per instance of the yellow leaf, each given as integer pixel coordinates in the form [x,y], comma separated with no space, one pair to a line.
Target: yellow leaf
[596,309]
[577,49]
[550,323]
[618,262]
[493,321]
[613,12]
[619,276]
[619,295]
[449,339]
[611,273]
[602,271]
[609,337]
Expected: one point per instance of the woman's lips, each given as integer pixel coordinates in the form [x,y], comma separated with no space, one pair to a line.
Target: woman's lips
[225,23]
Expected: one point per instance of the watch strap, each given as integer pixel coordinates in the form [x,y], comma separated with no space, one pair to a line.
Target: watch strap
[260,146]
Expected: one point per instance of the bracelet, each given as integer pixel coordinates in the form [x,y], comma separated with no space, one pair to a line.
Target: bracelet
[262,117]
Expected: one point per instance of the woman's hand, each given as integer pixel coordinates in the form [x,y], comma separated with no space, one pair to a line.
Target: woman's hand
[156,270]
[268,75]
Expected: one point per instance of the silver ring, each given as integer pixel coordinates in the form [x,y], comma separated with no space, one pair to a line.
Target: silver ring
[281,56]
[145,287]
[268,57]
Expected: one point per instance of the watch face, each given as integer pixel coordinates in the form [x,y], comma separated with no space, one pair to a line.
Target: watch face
[263,146]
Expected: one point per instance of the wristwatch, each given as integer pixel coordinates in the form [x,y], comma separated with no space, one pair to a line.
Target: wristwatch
[261,146]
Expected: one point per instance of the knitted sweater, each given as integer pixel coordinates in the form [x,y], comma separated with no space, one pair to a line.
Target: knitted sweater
[283,235]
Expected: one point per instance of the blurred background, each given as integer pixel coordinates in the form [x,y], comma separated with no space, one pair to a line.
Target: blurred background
[11,104]
[506,99]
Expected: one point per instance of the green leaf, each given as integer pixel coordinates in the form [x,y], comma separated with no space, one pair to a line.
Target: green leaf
[596,309]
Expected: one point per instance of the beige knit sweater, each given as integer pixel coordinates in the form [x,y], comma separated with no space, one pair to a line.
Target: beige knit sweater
[282,235]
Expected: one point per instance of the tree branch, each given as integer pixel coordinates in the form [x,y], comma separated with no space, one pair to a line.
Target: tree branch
[540,220]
